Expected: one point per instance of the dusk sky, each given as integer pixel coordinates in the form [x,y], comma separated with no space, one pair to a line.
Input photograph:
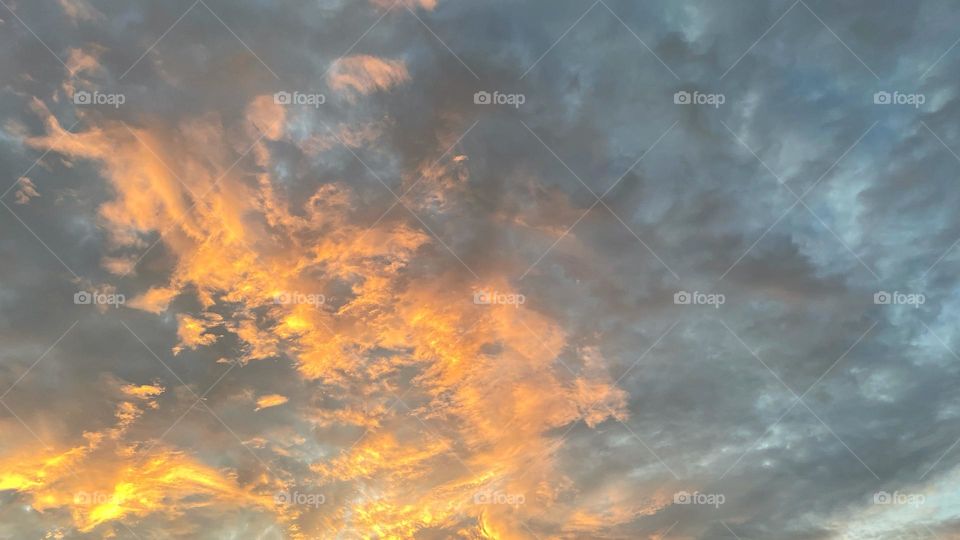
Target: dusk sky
[479,269]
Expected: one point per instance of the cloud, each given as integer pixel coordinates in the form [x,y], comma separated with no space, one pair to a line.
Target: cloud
[266,116]
[354,271]
[80,10]
[154,300]
[365,74]
[271,400]
[143,391]
[121,480]
[80,61]
[422,325]
[26,190]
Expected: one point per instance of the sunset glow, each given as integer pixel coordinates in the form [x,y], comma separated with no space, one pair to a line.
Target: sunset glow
[450,269]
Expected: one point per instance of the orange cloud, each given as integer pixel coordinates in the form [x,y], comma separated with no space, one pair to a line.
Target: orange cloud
[154,300]
[487,394]
[365,74]
[270,400]
[80,61]
[26,190]
[114,487]
[143,391]
[266,116]
[99,484]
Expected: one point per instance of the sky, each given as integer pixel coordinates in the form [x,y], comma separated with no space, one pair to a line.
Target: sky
[452,269]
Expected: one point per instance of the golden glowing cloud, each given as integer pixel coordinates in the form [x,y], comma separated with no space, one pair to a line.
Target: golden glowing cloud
[488,388]
[270,400]
[100,483]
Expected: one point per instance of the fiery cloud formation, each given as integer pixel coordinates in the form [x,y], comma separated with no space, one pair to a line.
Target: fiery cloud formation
[236,255]
[109,480]
[429,270]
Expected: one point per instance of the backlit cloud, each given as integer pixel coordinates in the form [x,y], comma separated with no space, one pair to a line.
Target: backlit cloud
[421,269]
[364,74]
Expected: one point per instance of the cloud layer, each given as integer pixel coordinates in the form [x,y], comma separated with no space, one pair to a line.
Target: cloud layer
[479,270]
